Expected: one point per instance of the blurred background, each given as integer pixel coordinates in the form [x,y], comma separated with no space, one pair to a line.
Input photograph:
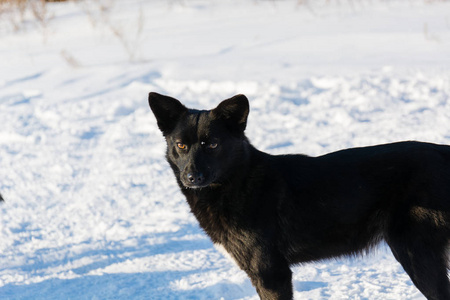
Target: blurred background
[92,210]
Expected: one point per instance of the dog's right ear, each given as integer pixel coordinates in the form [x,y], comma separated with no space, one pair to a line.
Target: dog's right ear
[167,111]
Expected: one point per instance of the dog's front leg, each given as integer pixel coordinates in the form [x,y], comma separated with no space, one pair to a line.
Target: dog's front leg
[271,277]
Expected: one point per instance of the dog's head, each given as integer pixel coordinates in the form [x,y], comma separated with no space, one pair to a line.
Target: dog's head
[203,147]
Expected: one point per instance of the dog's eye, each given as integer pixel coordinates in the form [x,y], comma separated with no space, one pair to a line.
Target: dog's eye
[181,146]
[209,146]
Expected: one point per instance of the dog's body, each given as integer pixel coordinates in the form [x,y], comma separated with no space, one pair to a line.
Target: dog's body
[270,212]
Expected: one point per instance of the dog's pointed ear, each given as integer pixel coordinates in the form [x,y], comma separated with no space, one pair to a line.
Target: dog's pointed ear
[235,111]
[167,111]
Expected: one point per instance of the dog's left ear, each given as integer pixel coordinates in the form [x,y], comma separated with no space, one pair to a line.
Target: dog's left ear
[235,111]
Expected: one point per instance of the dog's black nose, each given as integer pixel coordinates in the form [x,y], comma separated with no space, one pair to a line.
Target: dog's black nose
[195,178]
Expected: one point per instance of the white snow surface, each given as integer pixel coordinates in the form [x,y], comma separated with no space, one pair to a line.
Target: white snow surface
[92,209]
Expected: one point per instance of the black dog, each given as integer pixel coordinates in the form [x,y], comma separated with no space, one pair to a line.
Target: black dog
[271,212]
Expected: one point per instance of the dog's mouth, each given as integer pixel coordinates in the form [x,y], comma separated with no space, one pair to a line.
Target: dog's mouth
[198,180]
[198,186]
[195,187]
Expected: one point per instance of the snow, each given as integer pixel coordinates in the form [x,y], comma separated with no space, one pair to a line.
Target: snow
[92,209]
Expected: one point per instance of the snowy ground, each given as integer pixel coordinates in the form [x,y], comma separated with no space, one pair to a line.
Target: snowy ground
[92,210]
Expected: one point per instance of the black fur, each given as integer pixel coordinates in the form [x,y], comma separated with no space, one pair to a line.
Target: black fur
[270,212]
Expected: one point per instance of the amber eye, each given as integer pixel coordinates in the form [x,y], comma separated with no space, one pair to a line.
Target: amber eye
[181,146]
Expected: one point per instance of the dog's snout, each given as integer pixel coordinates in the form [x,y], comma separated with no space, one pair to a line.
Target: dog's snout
[195,178]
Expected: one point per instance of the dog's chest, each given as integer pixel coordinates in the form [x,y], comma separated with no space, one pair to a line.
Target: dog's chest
[224,252]
[214,216]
